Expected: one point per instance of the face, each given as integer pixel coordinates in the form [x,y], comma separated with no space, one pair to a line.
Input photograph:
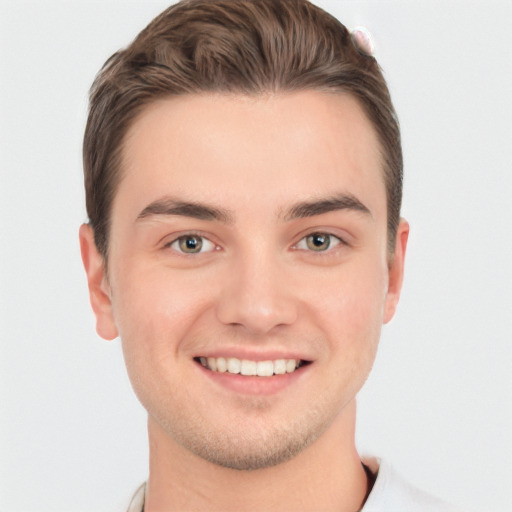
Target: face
[248,276]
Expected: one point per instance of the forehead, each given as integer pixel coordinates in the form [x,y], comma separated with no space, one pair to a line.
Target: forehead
[268,149]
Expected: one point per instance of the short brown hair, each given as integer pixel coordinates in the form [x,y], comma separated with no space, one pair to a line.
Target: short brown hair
[239,46]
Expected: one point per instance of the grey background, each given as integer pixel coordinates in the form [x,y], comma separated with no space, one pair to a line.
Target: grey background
[438,405]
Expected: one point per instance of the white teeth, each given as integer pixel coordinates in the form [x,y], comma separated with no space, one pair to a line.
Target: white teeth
[265,368]
[291,365]
[234,365]
[222,365]
[250,368]
[280,367]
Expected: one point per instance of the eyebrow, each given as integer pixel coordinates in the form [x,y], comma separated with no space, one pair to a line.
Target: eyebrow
[170,206]
[321,206]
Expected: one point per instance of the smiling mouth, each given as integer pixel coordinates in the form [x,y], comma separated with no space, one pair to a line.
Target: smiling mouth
[251,368]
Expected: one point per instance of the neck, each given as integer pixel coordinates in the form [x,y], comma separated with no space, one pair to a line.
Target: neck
[327,476]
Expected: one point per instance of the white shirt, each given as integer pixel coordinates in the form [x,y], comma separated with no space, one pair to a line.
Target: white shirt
[390,493]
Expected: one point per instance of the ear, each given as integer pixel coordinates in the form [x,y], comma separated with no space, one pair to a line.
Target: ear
[99,288]
[396,271]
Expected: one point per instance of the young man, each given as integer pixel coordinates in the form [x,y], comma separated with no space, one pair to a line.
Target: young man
[243,177]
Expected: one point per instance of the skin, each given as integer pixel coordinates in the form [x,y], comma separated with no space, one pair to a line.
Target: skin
[257,288]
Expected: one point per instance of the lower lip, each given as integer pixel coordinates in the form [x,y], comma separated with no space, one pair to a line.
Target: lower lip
[254,385]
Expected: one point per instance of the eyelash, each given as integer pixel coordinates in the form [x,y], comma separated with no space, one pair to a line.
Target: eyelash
[304,243]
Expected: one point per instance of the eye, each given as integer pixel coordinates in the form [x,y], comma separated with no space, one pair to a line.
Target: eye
[318,242]
[192,244]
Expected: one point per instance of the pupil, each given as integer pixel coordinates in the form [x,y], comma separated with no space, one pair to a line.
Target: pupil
[319,241]
[191,244]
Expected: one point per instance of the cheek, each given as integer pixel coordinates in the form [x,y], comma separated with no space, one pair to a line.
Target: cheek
[355,300]
[355,333]
[352,313]
[153,313]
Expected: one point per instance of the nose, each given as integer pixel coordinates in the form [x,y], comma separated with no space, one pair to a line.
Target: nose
[257,296]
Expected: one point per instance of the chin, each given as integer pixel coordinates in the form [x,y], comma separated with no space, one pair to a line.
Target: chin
[258,441]
[247,453]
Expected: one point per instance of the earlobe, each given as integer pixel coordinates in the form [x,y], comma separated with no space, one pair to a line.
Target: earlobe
[99,292]
[396,271]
